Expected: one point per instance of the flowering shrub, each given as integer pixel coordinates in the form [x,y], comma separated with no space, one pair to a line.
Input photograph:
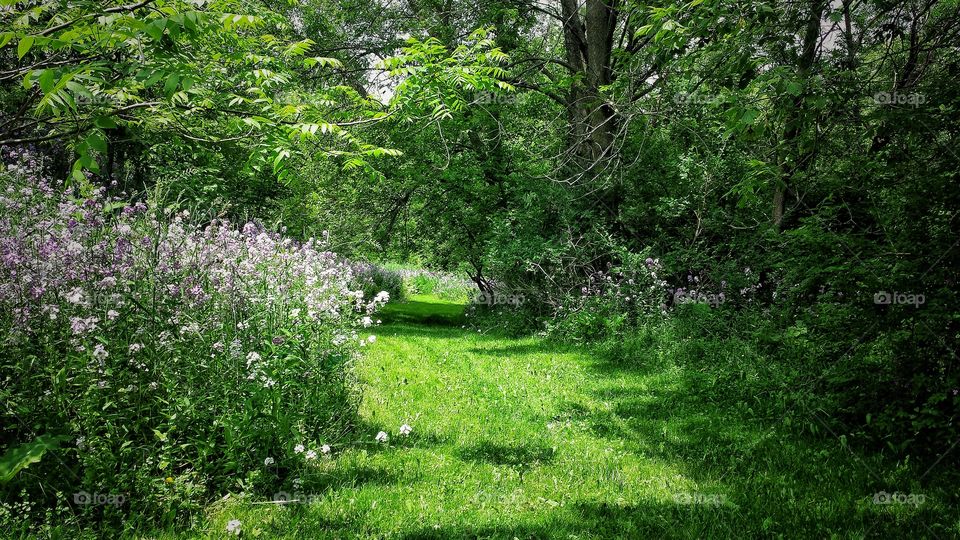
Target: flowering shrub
[175,359]
[372,278]
[609,302]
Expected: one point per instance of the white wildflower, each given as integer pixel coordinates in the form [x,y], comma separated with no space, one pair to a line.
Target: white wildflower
[405,429]
[75,296]
[382,437]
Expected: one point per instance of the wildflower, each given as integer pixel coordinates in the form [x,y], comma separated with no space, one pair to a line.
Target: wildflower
[268,461]
[405,430]
[382,437]
[233,527]
[168,479]
[382,296]
[277,340]
[311,454]
[372,339]
[100,352]
[52,311]
[298,449]
[325,449]
[367,322]
[135,347]
[112,314]
[252,357]
[294,313]
[79,325]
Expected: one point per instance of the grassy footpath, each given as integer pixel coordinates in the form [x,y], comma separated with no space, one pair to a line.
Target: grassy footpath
[520,438]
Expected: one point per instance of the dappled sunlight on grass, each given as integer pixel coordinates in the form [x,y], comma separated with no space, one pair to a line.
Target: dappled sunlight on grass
[523,438]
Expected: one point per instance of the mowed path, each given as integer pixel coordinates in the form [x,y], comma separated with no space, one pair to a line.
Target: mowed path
[517,438]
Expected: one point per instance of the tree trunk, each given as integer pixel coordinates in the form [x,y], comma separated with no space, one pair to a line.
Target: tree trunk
[795,161]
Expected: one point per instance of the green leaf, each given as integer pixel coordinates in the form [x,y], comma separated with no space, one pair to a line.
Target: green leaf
[171,85]
[26,43]
[104,122]
[155,29]
[20,457]
[47,80]
[154,78]
[97,141]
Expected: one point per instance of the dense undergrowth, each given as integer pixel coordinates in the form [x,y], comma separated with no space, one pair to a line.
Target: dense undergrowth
[151,360]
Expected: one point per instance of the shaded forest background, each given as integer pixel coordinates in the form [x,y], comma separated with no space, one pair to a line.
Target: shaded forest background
[776,181]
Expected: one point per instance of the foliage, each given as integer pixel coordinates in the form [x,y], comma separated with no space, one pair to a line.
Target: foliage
[671,437]
[371,279]
[177,358]
[445,285]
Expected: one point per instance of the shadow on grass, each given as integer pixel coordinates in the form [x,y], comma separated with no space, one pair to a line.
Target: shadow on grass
[423,312]
[507,455]
[353,476]
[521,349]
[785,474]
[590,519]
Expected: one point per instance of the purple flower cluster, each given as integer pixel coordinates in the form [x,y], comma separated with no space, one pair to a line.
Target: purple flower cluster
[82,262]
[114,313]
[88,276]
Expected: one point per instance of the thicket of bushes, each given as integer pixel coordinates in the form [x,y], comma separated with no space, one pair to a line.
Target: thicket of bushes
[153,361]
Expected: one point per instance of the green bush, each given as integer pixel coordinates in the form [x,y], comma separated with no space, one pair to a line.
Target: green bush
[178,362]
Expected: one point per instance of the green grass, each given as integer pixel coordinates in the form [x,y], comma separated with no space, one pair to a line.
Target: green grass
[519,438]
